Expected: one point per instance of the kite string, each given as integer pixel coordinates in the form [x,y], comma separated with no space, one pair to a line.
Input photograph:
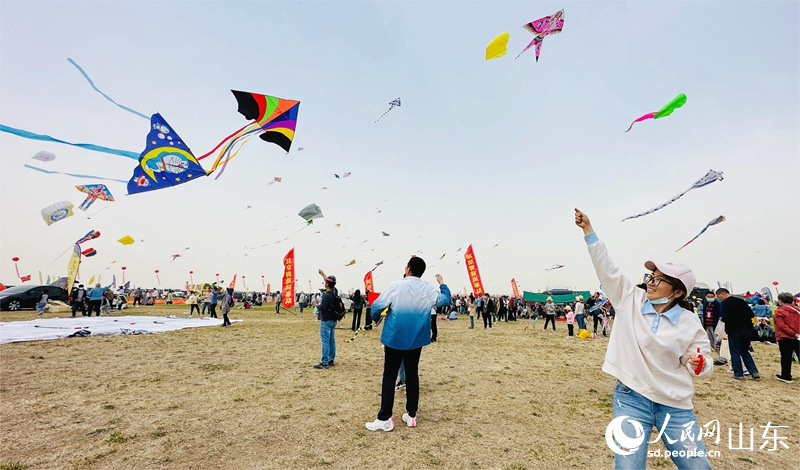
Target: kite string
[86,76]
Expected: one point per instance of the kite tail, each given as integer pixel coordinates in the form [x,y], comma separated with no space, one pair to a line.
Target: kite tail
[686,244]
[46,138]
[86,76]
[643,118]
[382,115]
[234,134]
[71,174]
[230,157]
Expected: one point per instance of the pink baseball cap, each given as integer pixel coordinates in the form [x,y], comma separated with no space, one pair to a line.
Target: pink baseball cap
[680,272]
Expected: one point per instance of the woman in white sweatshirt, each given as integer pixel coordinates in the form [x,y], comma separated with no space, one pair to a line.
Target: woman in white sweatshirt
[657,346]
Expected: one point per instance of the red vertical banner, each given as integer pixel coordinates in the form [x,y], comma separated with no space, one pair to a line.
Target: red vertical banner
[268,288]
[472,271]
[368,287]
[514,289]
[287,285]
[233,282]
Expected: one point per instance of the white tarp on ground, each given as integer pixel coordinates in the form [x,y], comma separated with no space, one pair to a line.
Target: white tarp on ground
[55,328]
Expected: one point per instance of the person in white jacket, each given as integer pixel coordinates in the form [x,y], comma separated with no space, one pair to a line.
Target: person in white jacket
[657,346]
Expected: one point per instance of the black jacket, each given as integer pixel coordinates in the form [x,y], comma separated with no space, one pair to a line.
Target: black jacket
[737,315]
[326,303]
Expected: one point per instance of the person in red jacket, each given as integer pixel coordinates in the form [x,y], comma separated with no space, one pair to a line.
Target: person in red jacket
[787,333]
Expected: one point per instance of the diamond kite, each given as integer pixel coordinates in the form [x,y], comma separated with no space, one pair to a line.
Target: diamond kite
[310,212]
[44,156]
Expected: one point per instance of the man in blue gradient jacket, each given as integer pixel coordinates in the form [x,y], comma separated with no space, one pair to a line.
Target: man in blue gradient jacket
[407,328]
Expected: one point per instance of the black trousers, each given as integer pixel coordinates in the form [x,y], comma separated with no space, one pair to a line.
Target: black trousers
[391,365]
[356,319]
[94,306]
[225,321]
[550,318]
[76,305]
[434,328]
[487,317]
[571,329]
[212,310]
[597,320]
[788,347]
[193,308]
[368,319]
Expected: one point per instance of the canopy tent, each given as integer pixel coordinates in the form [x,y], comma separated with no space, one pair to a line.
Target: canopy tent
[558,299]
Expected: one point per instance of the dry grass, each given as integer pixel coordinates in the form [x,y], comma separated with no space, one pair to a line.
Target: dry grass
[246,397]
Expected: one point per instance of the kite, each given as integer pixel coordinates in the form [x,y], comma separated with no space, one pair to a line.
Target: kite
[175,256]
[716,221]
[300,149]
[74,175]
[310,212]
[93,193]
[392,104]
[554,267]
[346,174]
[166,160]
[276,179]
[442,257]
[496,245]
[126,240]
[384,233]
[542,27]
[376,265]
[91,235]
[707,179]
[44,156]
[337,176]
[88,253]
[497,48]
[56,212]
[668,108]
[274,119]
[352,262]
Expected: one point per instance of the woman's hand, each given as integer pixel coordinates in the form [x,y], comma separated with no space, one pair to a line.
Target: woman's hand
[694,360]
[582,221]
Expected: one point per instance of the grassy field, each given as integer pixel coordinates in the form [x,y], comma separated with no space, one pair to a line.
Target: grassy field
[246,397]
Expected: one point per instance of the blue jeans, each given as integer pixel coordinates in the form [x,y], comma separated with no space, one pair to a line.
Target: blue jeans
[472,322]
[739,341]
[581,319]
[629,404]
[328,341]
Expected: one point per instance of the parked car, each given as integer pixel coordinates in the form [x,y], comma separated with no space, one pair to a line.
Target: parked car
[26,297]
[179,294]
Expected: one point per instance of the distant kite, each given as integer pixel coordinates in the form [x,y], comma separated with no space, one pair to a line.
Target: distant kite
[93,193]
[176,255]
[384,233]
[126,240]
[276,179]
[716,221]
[497,47]
[442,257]
[310,212]
[668,108]
[352,262]
[56,212]
[707,179]
[392,104]
[542,27]
[44,156]
[554,267]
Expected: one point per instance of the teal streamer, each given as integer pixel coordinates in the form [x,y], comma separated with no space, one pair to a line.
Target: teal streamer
[49,172]
[86,76]
[97,148]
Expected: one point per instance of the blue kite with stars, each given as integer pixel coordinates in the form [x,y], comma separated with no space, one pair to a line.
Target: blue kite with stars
[165,162]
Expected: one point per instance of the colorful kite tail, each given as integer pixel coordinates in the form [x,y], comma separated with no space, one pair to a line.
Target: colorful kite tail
[91,83]
[643,118]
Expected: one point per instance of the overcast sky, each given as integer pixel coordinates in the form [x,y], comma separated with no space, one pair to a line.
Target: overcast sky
[490,153]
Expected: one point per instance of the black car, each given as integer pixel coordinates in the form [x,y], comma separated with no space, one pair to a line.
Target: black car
[19,297]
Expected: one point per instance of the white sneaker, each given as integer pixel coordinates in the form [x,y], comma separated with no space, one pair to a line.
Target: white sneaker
[410,422]
[379,425]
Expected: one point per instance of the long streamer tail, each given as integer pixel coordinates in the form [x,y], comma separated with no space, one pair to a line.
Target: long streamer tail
[86,76]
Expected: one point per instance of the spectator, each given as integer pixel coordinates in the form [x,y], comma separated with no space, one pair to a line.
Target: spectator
[739,329]
[787,332]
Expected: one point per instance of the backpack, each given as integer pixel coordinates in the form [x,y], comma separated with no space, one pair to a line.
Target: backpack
[338,308]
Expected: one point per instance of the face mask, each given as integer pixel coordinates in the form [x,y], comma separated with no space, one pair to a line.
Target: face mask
[661,301]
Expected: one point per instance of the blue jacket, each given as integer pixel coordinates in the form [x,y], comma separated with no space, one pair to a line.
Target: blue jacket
[408,320]
[96,293]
